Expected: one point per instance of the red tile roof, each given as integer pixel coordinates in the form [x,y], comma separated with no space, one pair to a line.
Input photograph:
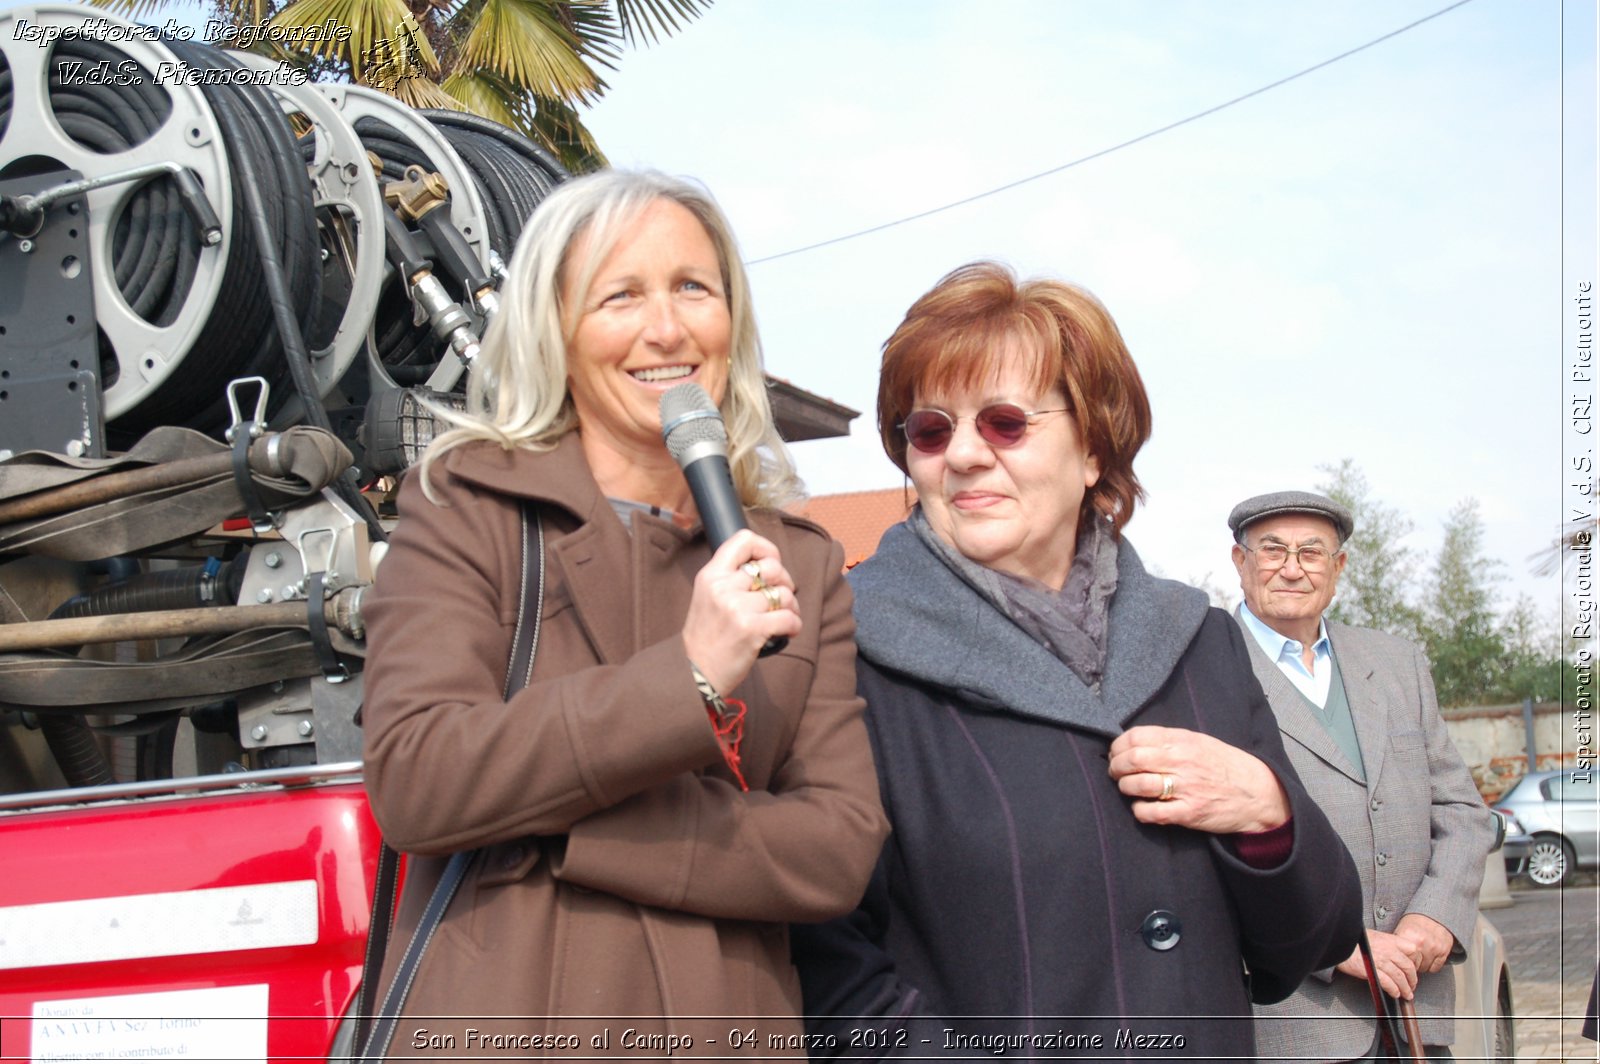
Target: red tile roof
[858,519]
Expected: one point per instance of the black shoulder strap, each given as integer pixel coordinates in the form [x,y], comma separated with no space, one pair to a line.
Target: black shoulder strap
[519,669]
[383,896]
[525,637]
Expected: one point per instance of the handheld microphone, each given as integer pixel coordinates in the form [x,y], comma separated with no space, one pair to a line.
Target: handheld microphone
[697,439]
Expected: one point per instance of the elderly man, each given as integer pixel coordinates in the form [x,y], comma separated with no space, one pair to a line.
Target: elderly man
[1360,721]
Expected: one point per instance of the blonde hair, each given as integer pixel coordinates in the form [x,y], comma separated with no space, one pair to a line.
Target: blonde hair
[517,387]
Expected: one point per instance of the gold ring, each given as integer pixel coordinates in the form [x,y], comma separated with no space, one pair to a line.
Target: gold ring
[1167,783]
[753,571]
[774,600]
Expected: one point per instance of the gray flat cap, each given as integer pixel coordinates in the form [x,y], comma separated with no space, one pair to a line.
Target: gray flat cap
[1291,502]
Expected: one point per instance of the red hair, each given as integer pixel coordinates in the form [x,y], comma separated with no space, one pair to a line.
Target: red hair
[957,336]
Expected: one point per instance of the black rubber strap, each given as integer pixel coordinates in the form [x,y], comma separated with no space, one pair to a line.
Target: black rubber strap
[259,518]
[333,670]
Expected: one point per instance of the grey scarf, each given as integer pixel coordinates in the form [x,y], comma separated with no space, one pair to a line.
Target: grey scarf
[1070,623]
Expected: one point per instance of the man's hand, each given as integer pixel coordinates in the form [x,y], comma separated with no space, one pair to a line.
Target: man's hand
[1392,958]
[1430,942]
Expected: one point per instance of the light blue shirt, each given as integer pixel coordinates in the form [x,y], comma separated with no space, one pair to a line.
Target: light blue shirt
[1312,683]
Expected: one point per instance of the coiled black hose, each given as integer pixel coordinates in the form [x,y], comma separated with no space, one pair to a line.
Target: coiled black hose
[155,250]
[241,336]
[154,244]
[241,116]
[273,210]
[512,176]
[409,352]
[5,94]
[514,173]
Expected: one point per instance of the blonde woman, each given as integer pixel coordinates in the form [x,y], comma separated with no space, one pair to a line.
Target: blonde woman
[638,865]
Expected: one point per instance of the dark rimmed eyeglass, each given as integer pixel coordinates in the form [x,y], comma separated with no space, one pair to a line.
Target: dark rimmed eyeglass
[1273,556]
[1000,425]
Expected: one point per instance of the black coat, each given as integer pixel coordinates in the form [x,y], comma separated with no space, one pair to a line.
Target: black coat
[1017,884]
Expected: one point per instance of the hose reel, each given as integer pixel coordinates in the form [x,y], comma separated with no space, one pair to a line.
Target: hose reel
[86,95]
[348,202]
[174,218]
[407,353]
[148,315]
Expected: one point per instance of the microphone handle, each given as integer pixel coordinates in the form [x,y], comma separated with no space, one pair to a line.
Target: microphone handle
[711,484]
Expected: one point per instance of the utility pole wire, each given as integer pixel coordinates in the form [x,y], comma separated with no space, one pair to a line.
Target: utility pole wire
[1107,151]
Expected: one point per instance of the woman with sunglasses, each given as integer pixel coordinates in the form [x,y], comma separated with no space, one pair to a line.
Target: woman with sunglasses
[1099,846]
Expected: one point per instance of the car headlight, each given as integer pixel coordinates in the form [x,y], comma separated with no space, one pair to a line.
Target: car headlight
[1513,825]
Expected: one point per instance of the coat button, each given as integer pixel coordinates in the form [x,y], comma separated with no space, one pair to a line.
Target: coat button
[1161,930]
[1383,859]
[1383,912]
[1374,805]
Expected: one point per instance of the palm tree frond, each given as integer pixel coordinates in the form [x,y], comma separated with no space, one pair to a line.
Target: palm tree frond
[384,38]
[656,18]
[523,41]
[464,17]
[491,96]
[596,28]
[421,92]
[551,123]
[558,127]
[244,12]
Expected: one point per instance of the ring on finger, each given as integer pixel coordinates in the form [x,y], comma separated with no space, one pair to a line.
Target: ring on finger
[753,571]
[1167,786]
[774,600]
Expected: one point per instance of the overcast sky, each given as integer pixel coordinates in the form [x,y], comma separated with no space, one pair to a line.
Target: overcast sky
[1366,262]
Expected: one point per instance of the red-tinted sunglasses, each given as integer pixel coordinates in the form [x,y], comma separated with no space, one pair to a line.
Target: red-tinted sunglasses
[1000,425]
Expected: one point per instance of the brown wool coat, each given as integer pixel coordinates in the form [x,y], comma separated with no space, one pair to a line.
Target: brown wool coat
[625,884]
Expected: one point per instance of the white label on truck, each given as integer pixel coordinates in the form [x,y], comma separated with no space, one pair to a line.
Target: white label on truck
[223,1024]
[135,926]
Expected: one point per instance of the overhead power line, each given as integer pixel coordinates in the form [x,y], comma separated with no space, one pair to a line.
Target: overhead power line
[1114,148]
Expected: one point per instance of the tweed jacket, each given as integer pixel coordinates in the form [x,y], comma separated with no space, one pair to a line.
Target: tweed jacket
[625,883]
[1019,908]
[1417,828]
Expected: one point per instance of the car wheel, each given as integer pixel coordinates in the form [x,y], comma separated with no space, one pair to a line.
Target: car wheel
[1505,1037]
[1549,861]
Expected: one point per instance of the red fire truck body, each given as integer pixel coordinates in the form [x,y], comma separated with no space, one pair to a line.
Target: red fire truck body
[219,917]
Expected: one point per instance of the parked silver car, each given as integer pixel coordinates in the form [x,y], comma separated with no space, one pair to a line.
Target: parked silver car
[1560,809]
[1484,1013]
[1518,845]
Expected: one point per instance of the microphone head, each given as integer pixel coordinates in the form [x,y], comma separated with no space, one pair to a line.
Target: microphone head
[691,424]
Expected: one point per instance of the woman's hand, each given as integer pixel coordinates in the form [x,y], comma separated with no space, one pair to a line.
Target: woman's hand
[734,611]
[1192,780]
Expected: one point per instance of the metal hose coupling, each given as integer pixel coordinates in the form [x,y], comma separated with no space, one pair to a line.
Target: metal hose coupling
[445,317]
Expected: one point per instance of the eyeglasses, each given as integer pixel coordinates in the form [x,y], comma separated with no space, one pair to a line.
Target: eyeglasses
[1000,425]
[1273,556]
